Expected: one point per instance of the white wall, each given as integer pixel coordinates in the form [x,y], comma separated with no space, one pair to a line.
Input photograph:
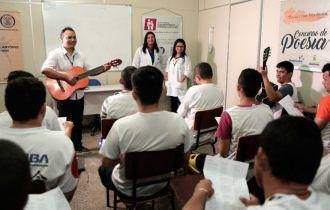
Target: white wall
[242,51]
[33,38]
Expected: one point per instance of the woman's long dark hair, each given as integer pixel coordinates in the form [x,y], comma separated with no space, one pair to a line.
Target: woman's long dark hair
[174,50]
[145,44]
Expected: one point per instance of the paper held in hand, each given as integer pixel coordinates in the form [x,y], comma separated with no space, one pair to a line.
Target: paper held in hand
[288,104]
[229,182]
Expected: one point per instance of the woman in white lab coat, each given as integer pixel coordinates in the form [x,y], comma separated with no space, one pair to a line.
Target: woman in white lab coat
[178,70]
[148,53]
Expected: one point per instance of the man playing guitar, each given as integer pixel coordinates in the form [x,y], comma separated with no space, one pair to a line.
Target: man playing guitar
[57,63]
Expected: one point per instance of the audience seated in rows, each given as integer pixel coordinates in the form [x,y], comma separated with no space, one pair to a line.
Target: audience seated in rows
[247,118]
[203,96]
[121,104]
[50,153]
[283,75]
[148,130]
[50,120]
[282,168]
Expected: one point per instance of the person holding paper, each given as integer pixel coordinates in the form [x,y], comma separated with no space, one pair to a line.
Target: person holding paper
[282,168]
[148,53]
[51,153]
[50,120]
[247,118]
[283,75]
[178,70]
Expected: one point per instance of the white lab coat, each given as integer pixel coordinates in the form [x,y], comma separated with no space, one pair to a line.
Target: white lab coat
[176,69]
[144,59]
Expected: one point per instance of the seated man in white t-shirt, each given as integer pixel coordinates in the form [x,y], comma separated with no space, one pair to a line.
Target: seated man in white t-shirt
[121,104]
[150,129]
[282,169]
[247,118]
[51,153]
[50,120]
[203,96]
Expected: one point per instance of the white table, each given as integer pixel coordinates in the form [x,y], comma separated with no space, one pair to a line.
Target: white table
[95,95]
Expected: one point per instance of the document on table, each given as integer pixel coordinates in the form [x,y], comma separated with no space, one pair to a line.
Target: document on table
[288,104]
[229,182]
[50,200]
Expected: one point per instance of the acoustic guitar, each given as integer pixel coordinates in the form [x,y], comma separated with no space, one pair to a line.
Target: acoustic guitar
[262,97]
[61,90]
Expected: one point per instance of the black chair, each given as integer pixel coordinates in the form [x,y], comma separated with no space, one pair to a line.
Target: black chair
[205,123]
[148,168]
[106,125]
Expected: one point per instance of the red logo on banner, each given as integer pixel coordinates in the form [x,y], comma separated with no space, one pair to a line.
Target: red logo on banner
[150,24]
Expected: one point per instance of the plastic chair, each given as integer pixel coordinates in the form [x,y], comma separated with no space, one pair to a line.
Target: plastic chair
[94,82]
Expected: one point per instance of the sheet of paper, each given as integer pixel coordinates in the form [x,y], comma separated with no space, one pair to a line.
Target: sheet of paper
[61,121]
[50,200]
[288,104]
[228,180]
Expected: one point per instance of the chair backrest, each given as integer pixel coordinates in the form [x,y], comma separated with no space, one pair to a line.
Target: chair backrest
[94,82]
[247,147]
[140,165]
[106,124]
[206,119]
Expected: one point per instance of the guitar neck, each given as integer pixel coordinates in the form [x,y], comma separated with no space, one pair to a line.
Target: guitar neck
[94,71]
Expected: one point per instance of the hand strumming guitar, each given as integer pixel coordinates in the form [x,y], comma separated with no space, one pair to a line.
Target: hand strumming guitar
[71,80]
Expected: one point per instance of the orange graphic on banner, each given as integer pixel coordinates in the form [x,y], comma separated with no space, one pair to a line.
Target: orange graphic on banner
[293,16]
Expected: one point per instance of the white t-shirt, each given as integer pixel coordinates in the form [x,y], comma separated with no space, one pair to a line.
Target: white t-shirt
[316,201]
[198,98]
[50,154]
[50,200]
[143,132]
[239,121]
[143,59]
[176,70]
[50,120]
[119,105]
[321,180]
[60,60]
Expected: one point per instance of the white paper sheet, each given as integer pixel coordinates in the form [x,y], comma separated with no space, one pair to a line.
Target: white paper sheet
[61,121]
[50,200]
[288,104]
[228,181]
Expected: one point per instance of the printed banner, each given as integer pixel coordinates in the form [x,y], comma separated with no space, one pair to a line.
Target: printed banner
[304,33]
[167,29]
[10,43]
